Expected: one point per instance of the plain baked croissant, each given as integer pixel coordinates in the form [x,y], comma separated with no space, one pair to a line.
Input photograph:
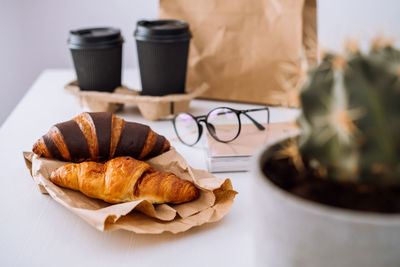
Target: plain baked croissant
[99,136]
[124,179]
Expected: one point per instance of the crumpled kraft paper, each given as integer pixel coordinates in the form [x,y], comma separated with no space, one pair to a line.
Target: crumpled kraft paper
[216,198]
[151,107]
[254,51]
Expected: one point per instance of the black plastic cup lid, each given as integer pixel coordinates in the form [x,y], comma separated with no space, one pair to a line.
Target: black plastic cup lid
[162,31]
[94,38]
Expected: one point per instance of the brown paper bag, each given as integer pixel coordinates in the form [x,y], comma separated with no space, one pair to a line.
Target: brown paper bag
[216,198]
[248,50]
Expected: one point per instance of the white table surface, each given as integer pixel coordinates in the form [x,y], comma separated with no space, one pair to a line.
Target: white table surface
[37,231]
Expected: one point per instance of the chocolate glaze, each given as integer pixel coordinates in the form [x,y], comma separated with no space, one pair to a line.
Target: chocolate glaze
[156,150]
[51,147]
[132,140]
[102,122]
[74,139]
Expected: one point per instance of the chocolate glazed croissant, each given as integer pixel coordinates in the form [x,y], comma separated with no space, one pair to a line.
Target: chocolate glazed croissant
[99,136]
[124,179]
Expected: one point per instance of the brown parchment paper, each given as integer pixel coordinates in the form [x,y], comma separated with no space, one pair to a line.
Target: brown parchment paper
[253,51]
[216,198]
[150,107]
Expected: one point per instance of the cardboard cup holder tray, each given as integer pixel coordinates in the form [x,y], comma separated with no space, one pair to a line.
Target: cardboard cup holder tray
[150,107]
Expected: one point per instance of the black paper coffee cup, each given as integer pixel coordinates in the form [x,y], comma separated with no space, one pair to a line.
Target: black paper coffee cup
[97,57]
[162,48]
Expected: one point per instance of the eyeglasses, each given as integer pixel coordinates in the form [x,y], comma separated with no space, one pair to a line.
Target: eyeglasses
[222,123]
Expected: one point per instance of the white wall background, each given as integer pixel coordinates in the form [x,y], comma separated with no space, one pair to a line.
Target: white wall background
[356,19]
[33,37]
[33,34]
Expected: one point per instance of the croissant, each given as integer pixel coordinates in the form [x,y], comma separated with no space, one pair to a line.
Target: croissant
[124,179]
[99,136]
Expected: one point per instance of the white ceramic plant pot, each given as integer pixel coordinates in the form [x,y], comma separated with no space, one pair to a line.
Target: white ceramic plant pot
[291,231]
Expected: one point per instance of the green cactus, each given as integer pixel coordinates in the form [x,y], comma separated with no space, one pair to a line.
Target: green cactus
[350,119]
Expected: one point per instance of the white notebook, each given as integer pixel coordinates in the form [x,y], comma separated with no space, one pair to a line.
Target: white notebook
[235,156]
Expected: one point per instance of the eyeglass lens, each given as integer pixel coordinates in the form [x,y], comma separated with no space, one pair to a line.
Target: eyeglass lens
[223,124]
[187,128]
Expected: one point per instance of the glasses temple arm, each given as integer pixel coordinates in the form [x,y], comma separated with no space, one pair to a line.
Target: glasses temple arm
[259,126]
[256,123]
[258,109]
